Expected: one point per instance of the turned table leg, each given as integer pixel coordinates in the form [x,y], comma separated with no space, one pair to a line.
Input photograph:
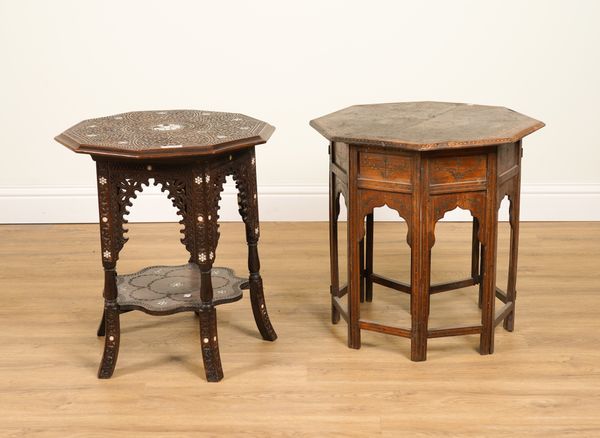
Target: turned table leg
[248,208]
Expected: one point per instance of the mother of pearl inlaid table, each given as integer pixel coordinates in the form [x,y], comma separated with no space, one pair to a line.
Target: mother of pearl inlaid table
[190,153]
[423,159]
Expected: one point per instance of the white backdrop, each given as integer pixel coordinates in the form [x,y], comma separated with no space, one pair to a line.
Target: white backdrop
[286,63]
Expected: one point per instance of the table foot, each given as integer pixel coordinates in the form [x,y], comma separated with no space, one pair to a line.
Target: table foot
[418,347]
[210,344]
[335,313]
[259,310]
[509,322]
[111,341]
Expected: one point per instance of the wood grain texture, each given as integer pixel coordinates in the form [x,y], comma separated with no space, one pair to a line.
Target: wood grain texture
[543,382]
[425,126]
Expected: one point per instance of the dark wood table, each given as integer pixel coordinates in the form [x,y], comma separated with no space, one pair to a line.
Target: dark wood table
[189,153]
[424,159]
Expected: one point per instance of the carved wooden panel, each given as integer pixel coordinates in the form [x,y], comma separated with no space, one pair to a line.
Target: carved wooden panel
[382,166]
[457,169]
[119,183]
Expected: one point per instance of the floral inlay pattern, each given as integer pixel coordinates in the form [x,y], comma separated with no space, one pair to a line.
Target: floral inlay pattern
[167,127]
[174,287]
[142,130]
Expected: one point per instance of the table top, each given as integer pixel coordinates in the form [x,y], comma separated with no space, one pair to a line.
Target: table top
[425,125]
[165,134]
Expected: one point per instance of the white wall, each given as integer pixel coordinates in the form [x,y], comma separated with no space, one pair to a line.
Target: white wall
[287,62]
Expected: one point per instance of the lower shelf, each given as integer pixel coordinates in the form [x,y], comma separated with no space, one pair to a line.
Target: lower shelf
[171,289]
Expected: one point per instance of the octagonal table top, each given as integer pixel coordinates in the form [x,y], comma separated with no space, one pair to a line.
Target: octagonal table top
[425,126]
[166,133]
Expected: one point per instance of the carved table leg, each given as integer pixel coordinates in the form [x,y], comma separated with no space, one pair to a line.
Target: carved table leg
[112,240]
[369,259]
[110,323]
[209,340]
[248,208]
[111,341]
[334,211]
[206,192]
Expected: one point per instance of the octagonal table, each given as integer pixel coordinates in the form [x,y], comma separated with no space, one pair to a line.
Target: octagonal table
[424,159]
[190,153]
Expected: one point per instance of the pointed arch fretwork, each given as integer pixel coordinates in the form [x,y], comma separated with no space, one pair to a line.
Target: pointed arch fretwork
[400,202]
[441,204]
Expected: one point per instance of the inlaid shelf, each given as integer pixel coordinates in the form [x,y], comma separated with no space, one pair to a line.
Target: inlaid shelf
[162,290]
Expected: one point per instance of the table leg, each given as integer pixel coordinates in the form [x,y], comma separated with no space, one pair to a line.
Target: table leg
[111,340]
[248,207]
[420,279]
[476,259]
[334,212]
[511,290]
[369,259]
[488,275]
[111,237]
[355,221]
[207,186]
[361,257]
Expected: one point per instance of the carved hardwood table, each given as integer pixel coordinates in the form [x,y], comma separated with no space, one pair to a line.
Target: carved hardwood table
[424,159]
[190,153]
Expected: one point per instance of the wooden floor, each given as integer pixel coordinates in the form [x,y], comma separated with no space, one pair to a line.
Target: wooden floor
[543,380]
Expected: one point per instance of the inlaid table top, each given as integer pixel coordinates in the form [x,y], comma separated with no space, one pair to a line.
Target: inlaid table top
[157,134]
[425,125]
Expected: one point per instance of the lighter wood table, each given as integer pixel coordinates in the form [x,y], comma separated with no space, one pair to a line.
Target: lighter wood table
[190,153]
[424,159]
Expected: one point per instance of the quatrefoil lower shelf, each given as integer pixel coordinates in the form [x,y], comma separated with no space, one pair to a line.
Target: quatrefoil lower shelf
[172,289]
